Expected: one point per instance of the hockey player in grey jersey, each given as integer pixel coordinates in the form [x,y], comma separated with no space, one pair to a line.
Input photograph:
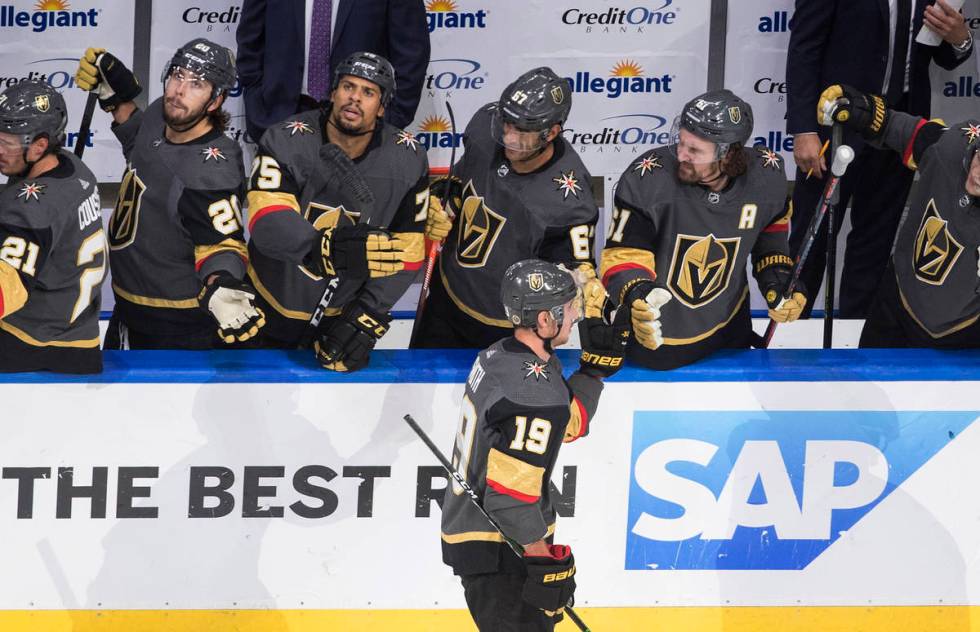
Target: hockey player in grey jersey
[52,248]
[517,410]
[686,219]
[176,240]
[930,293]
[521,192]
[307,228]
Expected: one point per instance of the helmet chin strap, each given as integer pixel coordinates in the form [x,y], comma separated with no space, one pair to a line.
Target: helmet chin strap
[345,132]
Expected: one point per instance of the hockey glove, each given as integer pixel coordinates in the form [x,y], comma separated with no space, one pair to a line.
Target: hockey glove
[773,273]
[102,72]
[229,301]
[356,252]
[603,344]
[867,114]
[346,341]
[645,301]
[788,309]
[438,221]
[550,583]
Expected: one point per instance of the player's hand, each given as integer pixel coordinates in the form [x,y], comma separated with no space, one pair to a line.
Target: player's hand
[229,301]
[946,22]
[356,252]
[344,343]
[103,73]
[603,343]
[550,583]
[788,309]
[437,221]
[644,301]
[806,152]
[867,114]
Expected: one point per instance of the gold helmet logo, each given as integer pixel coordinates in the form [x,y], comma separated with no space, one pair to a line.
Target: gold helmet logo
[734,114]
[701,268]
[936,251]
[535,281]
[557,95]
[42,103]
[479,231]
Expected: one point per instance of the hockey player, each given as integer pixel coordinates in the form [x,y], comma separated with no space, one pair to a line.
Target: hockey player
[177,247]
[930,294]
[517,410]
[306,227]
[52,248]
[686,217]
[522,192]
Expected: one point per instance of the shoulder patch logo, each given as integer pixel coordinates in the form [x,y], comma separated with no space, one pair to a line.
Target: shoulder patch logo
[407,139]
[567,183]
[537,370]
[31,190]
[972,132]
[769,158]
[648,164]
[300,127]
[212,152]
[936,250]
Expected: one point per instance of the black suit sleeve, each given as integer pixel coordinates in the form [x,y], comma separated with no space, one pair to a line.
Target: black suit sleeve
[250,37]
[946,58]
[810,35]
[408,43]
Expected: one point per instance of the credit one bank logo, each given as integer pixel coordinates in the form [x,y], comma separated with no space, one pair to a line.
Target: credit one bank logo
[766,490]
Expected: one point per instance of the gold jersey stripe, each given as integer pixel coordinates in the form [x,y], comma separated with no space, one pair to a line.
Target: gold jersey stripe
[482,536]
[574,428]
[12,290]
[469,311]
[34,342]
[231,245]
[259,200]
[148,301]
[700,337]
[613,257]
[514,473]
[952,330]
[276,305]
[414,245]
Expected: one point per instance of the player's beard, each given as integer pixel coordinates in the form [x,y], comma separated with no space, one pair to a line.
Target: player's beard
[688,174]
[182,123]
[346,128]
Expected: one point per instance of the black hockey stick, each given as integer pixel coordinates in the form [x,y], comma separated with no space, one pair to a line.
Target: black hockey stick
[342,169]
[837,139]
[86,126]
[436,247]
[513,544]
[843,155]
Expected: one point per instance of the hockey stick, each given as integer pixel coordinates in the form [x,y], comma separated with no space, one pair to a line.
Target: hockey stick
[831,257]
[86,126]
[436,247]
[513,544]
[843,155]
[344,171]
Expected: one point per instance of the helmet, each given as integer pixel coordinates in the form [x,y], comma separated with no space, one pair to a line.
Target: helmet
[718,116]
[533,286]
[209,61]
[371,67]
[534,102]
[32,107]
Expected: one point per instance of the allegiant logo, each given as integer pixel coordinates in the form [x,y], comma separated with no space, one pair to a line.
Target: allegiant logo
[47,14]
[625,77]
[435,131]
[444,14]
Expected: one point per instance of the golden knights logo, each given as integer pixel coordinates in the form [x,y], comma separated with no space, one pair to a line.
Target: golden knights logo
[479,230]
[126,215]
[701,268]
[42,103]
[936,251]
[535,281]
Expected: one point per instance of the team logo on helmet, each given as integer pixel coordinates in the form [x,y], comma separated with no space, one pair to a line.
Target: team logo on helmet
[557,95]
[972,132]
[701,268]
[535,281]
[31,190]
[567,183]
[480,229]
[42,103]
[126,216]
[536,370]
[936,250]
[735,115]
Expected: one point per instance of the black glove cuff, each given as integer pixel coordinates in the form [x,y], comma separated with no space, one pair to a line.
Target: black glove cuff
[636,289]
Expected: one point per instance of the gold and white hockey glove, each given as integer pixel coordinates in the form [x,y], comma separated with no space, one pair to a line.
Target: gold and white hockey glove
[229,301]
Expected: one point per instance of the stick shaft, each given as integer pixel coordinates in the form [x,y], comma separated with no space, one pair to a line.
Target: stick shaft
[86,125]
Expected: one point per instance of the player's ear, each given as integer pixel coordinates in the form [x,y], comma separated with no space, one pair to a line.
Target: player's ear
[37,148]
[553,132]
[216,104]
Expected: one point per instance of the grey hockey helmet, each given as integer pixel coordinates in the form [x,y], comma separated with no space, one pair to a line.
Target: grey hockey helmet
[369,66]
[207,60]
[534,102]
[31,108]
[718,116]
[533,286]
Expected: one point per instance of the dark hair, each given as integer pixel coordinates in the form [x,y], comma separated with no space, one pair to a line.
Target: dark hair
[219,119]
[736,161]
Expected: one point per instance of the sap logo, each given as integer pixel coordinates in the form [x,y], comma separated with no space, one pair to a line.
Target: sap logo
[624,78]
[455,74]
[766,490]
[623,18]
[49,14]
[444,14]
[624,129]
[776,141]
[965,86]
[436,132]
[778,22]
